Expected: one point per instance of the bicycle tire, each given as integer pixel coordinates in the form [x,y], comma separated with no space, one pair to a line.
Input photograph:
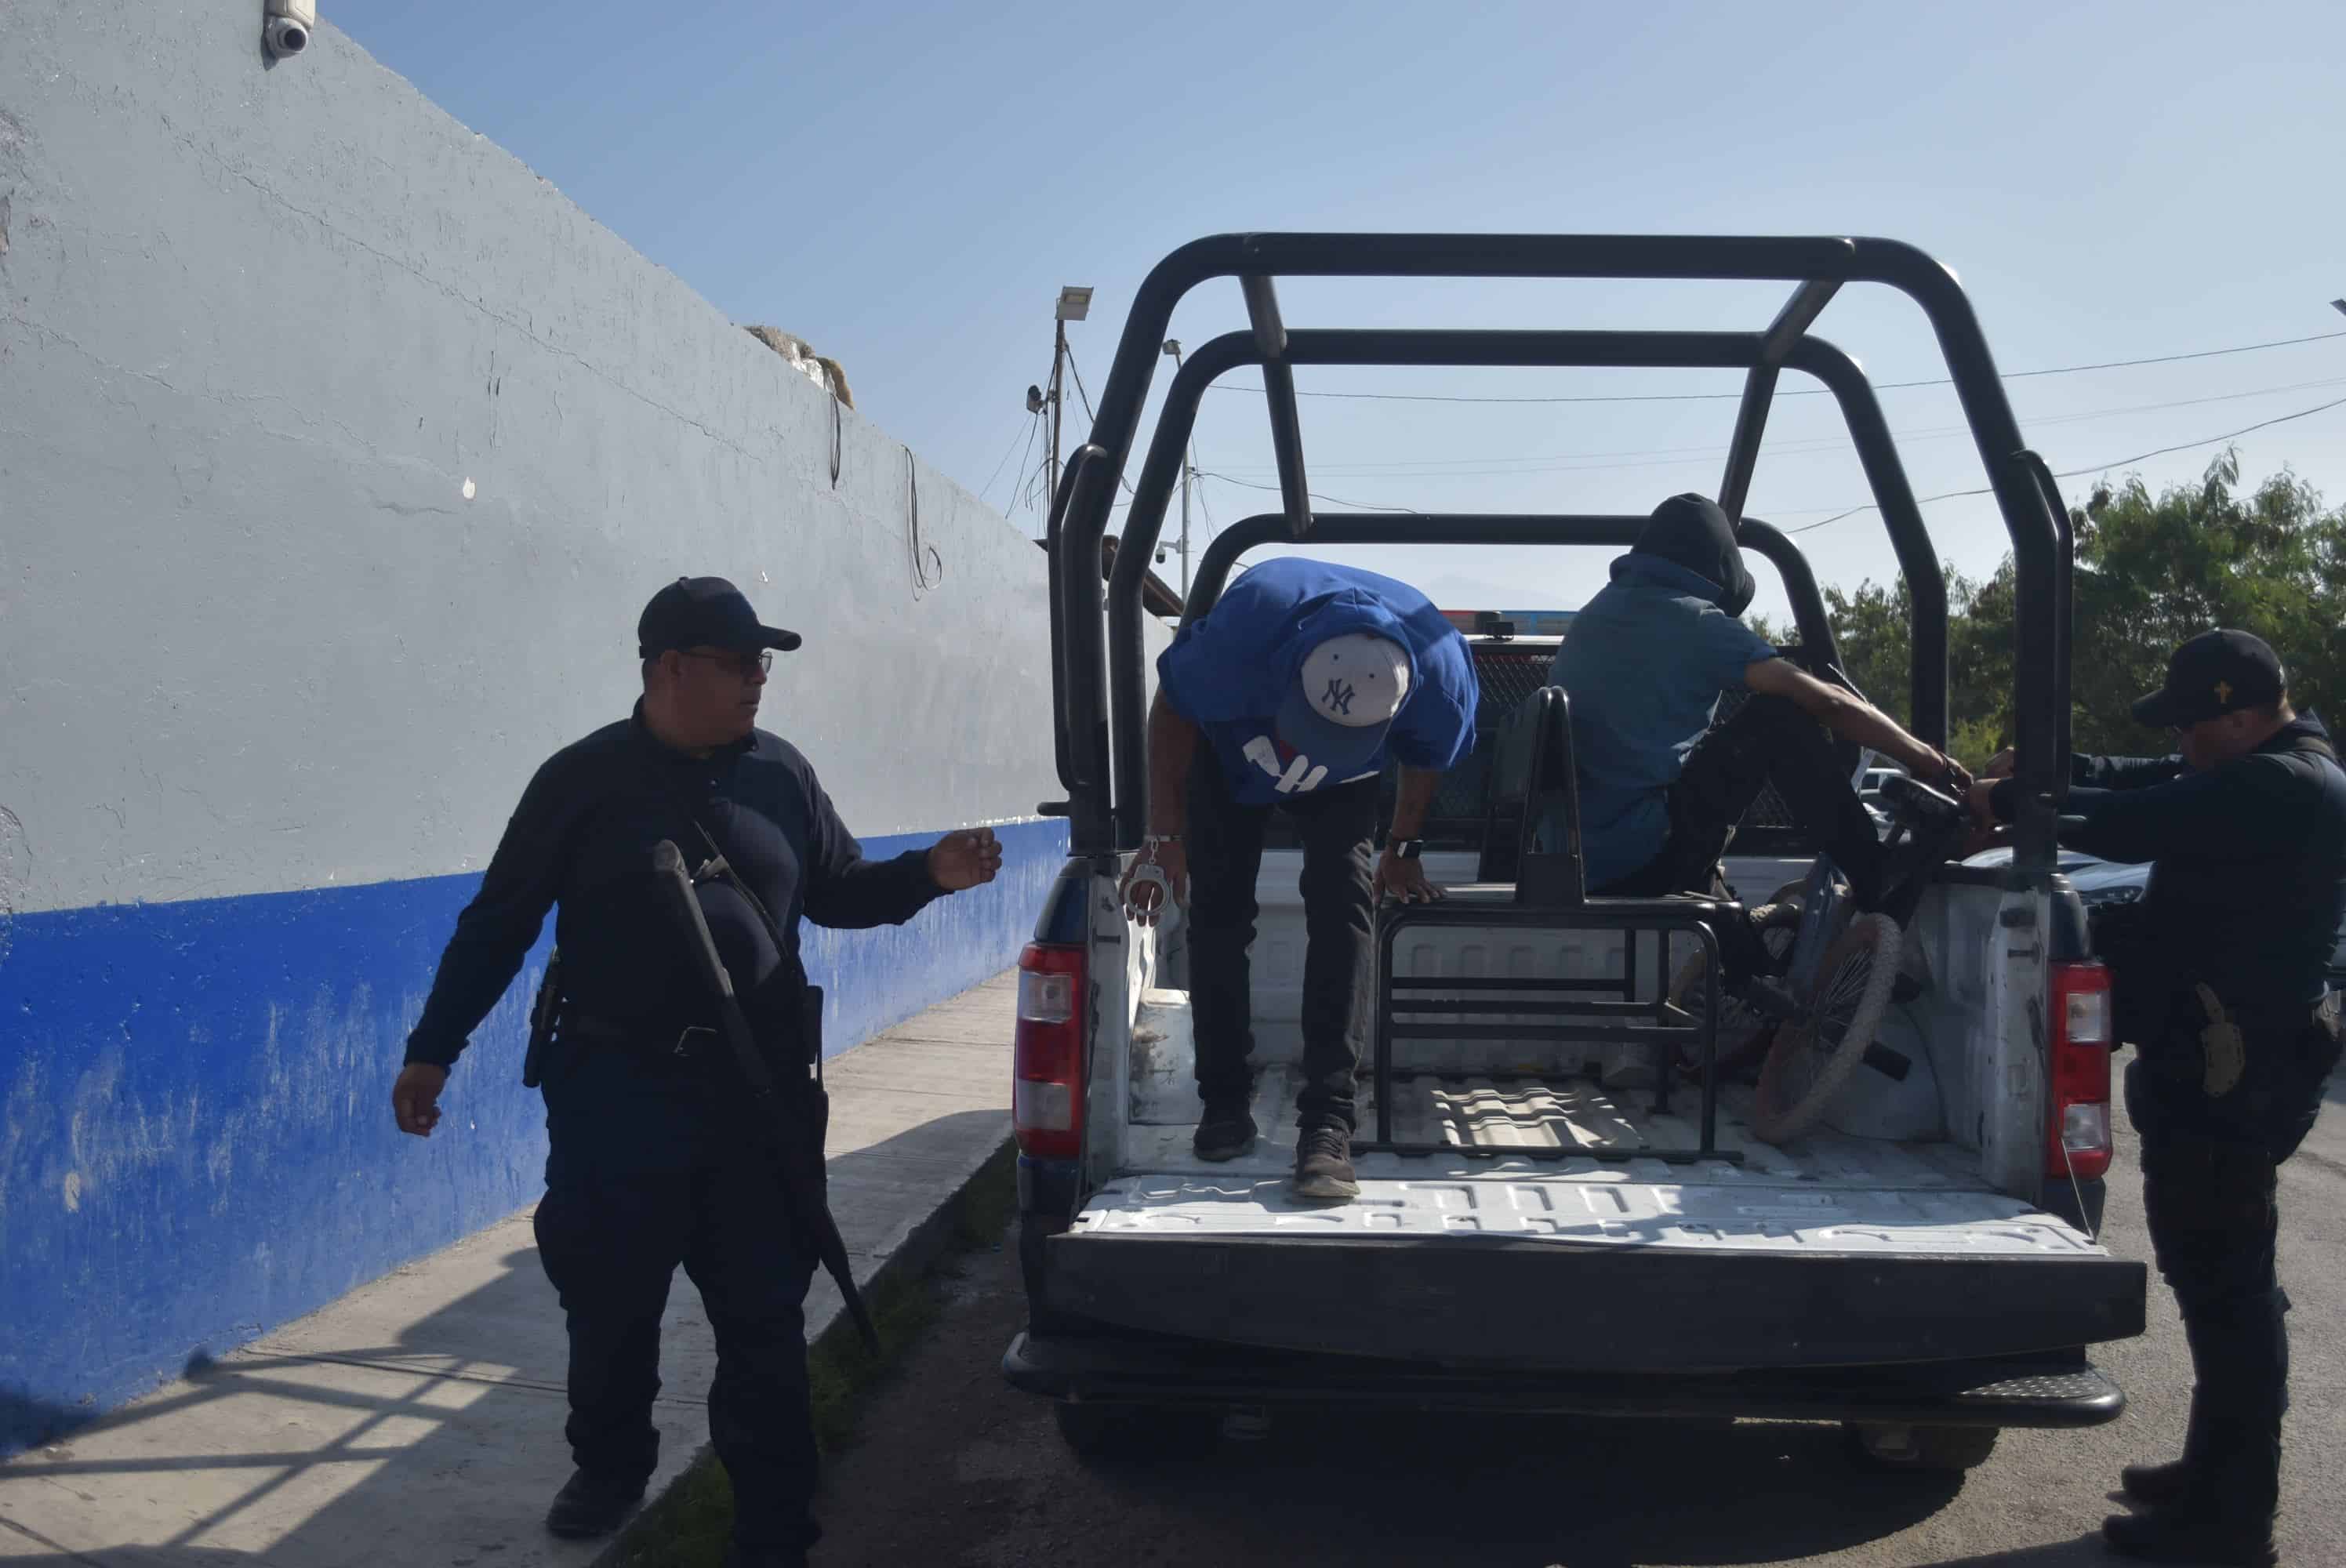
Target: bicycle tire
[1815,1053]
[1776,922]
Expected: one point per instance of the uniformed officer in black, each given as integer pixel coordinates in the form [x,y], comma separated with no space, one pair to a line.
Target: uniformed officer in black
[651,1163]
[2220,982]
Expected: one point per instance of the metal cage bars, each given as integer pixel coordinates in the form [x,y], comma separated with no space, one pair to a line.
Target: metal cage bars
[1087,748]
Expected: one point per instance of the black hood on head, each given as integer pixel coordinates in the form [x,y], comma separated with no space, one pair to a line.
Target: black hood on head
[1692,532]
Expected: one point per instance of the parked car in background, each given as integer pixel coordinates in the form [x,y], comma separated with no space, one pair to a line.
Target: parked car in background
[1870,782]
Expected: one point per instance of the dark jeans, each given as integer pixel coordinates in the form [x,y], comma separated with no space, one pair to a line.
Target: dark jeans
[1769,741]
[1339,917]
[2210,1194]
[653,1165]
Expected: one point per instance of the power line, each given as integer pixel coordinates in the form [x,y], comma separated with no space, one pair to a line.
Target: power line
[1332,500]
[1672,456]
[1033,425]
[998,467]
[1087,396]
[2096,467]
[1797,391]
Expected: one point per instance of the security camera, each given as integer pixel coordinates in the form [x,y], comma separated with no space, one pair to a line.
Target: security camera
[288,26]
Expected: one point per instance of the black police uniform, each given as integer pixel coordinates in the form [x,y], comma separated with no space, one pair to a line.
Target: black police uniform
[2247,890]
[651,1163]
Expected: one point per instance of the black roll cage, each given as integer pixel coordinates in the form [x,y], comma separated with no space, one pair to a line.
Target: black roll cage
[1098,669]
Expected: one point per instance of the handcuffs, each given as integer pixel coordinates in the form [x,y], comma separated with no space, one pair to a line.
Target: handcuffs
[1148,871]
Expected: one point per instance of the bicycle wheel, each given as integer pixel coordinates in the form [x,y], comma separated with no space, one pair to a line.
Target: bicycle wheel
[1816,1052]
[1777,923]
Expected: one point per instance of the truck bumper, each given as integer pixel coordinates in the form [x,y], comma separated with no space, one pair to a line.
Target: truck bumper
[1516,1306]
[2039,1391]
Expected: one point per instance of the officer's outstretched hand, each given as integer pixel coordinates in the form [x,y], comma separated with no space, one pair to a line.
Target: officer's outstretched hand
[961,861]
[415,1098]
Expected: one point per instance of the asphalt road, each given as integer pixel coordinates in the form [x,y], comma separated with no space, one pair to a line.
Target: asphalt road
[951,1467]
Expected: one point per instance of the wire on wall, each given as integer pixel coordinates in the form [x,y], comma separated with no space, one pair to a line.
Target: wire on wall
[928,567]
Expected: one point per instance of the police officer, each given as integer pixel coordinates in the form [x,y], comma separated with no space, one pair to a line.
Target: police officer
[1290,695]
[2219,983]
[651,1163]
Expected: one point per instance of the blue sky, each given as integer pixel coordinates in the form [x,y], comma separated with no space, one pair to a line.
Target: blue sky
[908,186]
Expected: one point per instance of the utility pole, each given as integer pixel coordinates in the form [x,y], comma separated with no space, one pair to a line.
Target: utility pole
[1188,468]
[1074,305]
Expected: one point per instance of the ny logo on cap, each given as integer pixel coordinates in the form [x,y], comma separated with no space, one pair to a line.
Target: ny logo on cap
[1338,699]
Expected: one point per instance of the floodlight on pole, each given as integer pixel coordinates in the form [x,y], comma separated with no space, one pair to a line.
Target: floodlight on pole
[1074,304]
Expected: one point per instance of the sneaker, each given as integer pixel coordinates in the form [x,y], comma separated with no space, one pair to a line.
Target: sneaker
[1323,1163]
[1225,1131]
[2182,1535]
[587,1506]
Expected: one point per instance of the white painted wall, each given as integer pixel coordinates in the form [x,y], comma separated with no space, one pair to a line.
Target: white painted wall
[338,454]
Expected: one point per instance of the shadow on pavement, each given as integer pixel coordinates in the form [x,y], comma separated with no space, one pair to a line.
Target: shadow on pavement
[440,1444]
[1526,1493]
[2059,1554]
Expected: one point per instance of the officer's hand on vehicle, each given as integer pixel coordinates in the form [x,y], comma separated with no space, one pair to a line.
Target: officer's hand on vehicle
[964,859]
[1158,874]
[415,1098]
[1405,880]
[2001,764]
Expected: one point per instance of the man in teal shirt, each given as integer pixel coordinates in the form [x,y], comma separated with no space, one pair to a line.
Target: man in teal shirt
[1661,787]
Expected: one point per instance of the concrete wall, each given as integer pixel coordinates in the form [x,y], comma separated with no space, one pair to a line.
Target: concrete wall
[338,454]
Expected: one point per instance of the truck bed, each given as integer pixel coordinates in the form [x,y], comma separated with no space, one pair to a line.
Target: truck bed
[1484,1116]
[1825,1192]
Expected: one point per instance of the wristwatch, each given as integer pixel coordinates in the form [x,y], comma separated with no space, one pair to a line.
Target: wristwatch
[1406,849]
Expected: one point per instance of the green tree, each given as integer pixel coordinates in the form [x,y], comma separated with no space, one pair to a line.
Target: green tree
[2151,571]
[2154,570]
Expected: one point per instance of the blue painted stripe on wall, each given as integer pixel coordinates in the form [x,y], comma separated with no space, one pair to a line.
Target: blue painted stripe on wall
[196,1143]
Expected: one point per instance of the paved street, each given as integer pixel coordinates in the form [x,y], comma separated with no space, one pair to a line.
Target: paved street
[951,1467]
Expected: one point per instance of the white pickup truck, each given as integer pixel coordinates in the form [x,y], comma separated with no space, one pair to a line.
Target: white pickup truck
[1919,1265]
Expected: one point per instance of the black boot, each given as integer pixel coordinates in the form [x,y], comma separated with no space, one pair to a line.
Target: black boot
[2171,1481]
[588,1506]
[2185,1534]
[2225,1514]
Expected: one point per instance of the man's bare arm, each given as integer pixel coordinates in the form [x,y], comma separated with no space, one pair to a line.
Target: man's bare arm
[1413,799]
[1172,745]
[1853,718]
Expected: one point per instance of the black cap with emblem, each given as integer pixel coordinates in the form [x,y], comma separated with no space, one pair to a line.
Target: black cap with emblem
[705,612]
[2213,674]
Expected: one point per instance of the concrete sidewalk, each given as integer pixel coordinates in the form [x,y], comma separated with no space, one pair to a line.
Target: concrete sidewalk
[419,1419]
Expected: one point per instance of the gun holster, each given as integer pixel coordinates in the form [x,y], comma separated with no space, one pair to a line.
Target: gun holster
[543,1013]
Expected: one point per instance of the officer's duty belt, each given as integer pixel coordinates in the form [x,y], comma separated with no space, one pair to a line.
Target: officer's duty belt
[692,1043]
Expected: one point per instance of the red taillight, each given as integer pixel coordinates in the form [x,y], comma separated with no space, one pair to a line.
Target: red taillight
[1047,1088]
[2077,1140]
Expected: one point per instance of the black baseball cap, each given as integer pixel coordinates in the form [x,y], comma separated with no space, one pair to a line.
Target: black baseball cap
[2213,674]
[705,612]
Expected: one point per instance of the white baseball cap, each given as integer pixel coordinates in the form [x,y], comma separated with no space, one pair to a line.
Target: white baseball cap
[1346,696]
